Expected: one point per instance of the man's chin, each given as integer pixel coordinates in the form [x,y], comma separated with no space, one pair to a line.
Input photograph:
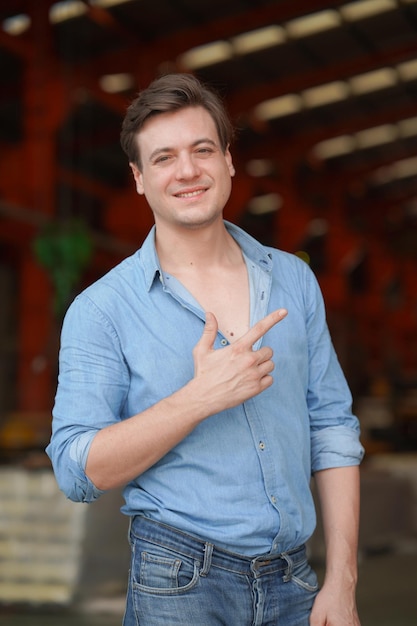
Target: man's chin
[195,222]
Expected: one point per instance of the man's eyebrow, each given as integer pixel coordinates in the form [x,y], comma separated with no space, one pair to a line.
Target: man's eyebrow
[204,140]
[164,150]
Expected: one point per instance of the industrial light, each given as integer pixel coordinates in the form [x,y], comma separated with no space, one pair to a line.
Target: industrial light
[373,81]
[261,205]
[408,127]
[259,167]
[404,168]
[278,107]
[313,23]
[116,83]
[335,147]
[334,92]
[106,4]
[408,70]
[325,94]
[273,35]
[382,175]
[376,136]
[317,227]
[17,24]
[66,10]
[259,39]
[355,11]
[209,54]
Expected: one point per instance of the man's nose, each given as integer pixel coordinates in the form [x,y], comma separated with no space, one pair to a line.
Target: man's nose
[187,166]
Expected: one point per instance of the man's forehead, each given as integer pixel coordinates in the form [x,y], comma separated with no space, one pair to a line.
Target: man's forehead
[183,118]
[189,126]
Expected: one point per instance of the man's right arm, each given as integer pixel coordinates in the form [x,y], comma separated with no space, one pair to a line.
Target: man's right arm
[223,378]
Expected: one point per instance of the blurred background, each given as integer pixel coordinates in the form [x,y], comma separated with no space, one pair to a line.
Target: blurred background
[324,98]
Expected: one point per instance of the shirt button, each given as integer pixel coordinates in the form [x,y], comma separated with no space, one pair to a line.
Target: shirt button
[224,342]
[273,500]
[261,445]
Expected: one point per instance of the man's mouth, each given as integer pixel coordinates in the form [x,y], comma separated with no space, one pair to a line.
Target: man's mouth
[190,194]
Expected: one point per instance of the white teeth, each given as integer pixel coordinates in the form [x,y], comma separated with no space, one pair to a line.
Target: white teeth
[189,194]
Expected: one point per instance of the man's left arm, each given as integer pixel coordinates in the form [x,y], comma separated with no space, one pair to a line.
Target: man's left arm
[338,490]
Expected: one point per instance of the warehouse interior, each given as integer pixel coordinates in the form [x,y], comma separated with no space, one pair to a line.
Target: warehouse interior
[323,96]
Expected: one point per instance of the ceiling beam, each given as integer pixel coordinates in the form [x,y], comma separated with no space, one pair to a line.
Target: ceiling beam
[161,49]
[248,97]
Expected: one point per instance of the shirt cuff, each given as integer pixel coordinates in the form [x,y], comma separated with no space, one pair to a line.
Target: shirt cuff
[84,488]
[337,446]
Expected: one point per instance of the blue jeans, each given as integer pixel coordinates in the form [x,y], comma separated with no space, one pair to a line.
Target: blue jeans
[177,579]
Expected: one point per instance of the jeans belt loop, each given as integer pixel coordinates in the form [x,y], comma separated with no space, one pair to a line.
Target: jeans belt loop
[208,553]
[288,574]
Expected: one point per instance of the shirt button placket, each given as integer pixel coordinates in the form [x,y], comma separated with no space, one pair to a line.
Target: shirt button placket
[262,447]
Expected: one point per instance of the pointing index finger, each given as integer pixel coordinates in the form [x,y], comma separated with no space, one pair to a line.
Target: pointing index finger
[259,329]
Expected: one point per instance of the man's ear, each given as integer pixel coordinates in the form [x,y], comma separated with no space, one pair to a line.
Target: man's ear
[229,162]
[137,175]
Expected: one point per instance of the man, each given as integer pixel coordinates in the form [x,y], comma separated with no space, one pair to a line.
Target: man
[166,387]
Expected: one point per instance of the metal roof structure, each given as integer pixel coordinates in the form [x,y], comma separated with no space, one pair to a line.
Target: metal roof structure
[323,94]
[326,83]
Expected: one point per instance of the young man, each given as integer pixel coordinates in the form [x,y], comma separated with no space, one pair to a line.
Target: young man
[166,387]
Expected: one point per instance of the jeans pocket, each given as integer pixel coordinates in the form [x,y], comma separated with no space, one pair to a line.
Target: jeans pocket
[159,571]
[304,576]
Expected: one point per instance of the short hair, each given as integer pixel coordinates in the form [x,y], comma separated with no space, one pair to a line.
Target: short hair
[167,94]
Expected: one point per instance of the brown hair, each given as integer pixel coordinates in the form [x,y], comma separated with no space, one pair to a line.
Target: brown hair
[168,93]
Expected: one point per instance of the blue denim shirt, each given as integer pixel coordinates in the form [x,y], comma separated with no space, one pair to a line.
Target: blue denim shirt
[242,477]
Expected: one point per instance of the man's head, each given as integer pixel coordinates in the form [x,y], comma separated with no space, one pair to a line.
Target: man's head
[168,94]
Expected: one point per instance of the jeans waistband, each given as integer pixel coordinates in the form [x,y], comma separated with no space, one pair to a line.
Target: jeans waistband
[201,550]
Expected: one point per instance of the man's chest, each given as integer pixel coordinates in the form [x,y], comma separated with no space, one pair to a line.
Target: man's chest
[226,295]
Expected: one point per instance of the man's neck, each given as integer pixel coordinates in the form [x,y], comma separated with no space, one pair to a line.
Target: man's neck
[196,249]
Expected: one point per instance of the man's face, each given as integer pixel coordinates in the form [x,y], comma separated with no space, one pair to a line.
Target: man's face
[185,176]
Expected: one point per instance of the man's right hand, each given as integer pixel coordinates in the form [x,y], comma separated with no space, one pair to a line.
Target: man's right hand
[233,374]
[223,378]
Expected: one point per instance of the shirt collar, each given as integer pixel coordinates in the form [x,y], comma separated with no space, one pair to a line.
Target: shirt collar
[254,250]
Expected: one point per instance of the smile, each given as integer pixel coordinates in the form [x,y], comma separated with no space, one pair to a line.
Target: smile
[190,194]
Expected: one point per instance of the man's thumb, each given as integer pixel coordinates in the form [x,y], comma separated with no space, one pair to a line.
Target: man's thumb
[210,331]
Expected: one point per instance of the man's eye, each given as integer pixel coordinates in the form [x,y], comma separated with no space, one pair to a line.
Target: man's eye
[162,159]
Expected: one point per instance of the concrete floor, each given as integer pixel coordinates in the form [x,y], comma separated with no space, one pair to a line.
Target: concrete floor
[387,591]
[387,596]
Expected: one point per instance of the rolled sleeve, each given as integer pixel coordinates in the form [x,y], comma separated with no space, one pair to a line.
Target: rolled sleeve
[68,464]
[91,391]
[337,446]
[334,429]
[84,489]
